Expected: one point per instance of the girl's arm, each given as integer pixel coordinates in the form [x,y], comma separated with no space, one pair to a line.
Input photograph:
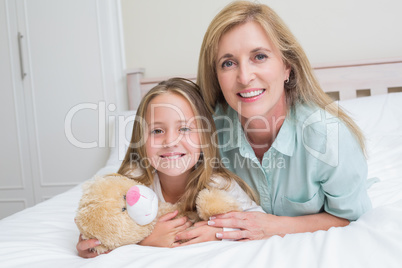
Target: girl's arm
[201,232]
[257,225]
[165,231]
[84,247]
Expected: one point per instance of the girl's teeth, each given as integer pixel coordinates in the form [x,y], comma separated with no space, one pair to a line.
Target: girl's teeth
[173,156]
[251,93]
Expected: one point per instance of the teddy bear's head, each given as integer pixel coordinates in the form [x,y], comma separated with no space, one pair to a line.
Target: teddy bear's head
[103,212]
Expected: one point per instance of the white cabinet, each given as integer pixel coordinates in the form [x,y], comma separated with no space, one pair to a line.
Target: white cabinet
[61,67]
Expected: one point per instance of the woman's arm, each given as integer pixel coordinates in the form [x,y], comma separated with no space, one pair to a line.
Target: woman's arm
[257,225]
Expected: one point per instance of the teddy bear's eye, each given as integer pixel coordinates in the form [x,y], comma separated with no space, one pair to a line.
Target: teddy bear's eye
[123,209]
[124,196]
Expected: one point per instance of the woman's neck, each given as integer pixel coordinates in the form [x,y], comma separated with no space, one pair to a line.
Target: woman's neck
[173,187]
[261,132]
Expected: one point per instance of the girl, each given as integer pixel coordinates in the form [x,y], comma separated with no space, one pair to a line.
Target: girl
[174,151]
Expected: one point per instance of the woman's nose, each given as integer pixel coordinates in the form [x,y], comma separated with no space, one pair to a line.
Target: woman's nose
[245,73]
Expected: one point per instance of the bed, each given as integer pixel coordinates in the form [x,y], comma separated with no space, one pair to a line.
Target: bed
[45,235]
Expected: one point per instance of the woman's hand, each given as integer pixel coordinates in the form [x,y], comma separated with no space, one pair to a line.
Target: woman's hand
[85,247]
[165,231]
[200,233]
[257,225]
[252,225]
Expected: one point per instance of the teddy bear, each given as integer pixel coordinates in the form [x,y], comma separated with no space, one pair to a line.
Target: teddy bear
[120,211]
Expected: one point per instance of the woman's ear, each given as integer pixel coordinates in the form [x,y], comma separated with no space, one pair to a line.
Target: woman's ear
[288,68]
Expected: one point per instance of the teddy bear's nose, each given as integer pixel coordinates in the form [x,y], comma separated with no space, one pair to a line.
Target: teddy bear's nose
[133,195]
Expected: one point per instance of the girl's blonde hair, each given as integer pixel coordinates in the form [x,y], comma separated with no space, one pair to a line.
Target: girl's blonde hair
[209,162]
[302,87]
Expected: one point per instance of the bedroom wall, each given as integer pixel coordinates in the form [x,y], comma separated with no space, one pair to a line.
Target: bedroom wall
[164,37]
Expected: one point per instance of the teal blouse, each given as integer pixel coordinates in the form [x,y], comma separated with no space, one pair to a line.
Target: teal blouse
[315,164]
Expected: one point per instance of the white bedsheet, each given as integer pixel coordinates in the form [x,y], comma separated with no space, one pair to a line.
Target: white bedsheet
[45,235]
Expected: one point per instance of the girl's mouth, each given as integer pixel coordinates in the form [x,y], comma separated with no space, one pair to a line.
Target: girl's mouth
[172,156]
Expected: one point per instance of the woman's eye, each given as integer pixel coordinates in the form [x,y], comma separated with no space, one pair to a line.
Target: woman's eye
[227,64]
[261,57]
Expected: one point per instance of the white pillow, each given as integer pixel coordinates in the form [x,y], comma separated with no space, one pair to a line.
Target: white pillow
[380,119]
[120,130]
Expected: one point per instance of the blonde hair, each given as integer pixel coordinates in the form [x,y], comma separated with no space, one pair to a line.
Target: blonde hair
[302,87]
[208,164]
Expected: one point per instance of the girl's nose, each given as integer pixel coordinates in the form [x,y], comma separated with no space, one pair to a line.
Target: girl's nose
[171,139]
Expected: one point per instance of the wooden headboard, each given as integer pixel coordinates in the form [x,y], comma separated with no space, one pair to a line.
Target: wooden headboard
[341,81]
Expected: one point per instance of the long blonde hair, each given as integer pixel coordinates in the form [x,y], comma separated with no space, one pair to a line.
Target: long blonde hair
[209,162]
[302,87]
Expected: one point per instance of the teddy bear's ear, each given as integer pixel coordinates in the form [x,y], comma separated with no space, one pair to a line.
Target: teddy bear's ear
[88,184]
[136,172]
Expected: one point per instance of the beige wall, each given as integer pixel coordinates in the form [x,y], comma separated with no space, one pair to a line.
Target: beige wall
[164,36]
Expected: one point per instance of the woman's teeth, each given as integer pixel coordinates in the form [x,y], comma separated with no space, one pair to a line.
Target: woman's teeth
[251,93]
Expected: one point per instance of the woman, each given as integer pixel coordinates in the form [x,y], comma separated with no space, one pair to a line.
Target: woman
[277,129]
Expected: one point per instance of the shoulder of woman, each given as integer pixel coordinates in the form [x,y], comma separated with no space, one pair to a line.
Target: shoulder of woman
[222,115]
[315,120]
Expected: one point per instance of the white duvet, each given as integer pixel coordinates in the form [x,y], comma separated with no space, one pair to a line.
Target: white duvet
[45,235]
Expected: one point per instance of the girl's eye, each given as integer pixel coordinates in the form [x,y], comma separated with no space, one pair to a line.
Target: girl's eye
[185,129]
[261,57]
[227,64]
[156,131]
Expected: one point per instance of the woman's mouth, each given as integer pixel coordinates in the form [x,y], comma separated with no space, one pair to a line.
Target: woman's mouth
[251,95]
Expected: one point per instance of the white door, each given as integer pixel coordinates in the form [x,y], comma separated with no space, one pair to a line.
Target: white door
[70,52]
[16,187]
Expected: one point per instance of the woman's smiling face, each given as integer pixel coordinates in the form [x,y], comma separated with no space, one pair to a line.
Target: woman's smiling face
[251,72]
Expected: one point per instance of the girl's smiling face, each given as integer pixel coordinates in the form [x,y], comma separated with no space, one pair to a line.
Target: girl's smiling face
[251,72]
[173,143]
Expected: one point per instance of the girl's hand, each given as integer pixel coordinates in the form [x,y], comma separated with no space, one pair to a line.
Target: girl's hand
[201,233]
[166,230]
[84,247]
